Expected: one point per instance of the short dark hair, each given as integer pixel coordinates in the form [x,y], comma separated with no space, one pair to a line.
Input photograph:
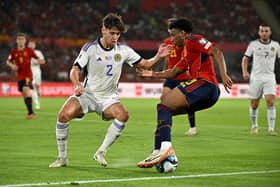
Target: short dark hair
[114,20]
[264,25]
[180,23]
[21,34]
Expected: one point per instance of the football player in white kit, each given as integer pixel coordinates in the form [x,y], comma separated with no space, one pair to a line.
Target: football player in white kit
[263,52]
[37,73]
[102,60]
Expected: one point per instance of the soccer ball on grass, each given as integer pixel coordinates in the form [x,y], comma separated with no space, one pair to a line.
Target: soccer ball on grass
[168,165]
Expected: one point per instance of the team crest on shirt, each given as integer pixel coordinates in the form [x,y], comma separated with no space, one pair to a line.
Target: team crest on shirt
[202,41]
[108,58]
[272,49]
[117,57]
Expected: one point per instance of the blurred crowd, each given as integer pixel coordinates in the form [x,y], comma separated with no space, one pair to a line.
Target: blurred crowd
[231,20]
[221,21]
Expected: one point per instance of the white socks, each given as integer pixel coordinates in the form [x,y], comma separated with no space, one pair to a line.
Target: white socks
[62,130]
[35,97]
[271,116]
[112,134]
[254,117]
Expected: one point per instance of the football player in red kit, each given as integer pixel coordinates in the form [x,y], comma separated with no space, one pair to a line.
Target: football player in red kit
[19,60]
[201,92]
[178,42]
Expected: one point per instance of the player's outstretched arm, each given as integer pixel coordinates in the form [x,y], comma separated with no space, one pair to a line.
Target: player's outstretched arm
[169,73]
[219,57]
[163,51]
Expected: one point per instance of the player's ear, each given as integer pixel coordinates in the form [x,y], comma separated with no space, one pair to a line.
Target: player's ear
[103,29]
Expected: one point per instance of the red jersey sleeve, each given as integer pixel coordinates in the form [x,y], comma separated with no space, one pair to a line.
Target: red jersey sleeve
[11,56]
[200,44]
[32,53]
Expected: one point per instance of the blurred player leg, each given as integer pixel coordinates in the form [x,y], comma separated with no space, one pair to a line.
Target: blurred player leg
[192,130]
[36,89]
[254,120]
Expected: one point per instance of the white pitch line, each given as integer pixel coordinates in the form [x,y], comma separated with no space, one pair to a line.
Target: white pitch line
[142,178]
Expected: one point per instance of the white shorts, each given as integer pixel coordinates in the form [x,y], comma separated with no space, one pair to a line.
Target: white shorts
[37,78]
[257,88]
[90,103]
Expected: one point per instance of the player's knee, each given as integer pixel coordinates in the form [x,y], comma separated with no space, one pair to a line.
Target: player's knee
[254,104]
[269,103]
[123,116]
[63,117]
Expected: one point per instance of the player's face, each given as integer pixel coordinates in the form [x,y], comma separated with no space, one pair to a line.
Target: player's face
[110,36]
[177,37]
[264,33]
[31,45]
[21,41]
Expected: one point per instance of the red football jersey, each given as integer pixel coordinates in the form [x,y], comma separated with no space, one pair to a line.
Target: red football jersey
[22,58]
[174,58]
[196,60]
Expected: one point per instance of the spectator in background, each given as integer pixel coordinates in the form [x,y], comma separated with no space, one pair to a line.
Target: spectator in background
[263,53]
[36,72]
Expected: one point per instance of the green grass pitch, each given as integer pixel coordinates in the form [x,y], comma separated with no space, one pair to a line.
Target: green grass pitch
[223,147]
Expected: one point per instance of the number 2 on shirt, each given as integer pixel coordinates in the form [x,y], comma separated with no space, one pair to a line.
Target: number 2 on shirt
[109,69]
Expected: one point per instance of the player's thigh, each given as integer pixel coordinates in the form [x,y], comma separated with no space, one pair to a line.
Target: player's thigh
[199,94]
[255,90]
[70,109]
[37,80]
[269,87]
[25,87]
[116,111]
[174,99]
[164,92]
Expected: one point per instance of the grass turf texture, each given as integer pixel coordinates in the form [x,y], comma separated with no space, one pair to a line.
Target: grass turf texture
[223,145]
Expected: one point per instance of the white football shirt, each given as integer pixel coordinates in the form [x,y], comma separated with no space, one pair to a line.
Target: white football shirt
[36,67]
[104,66]
[264,57]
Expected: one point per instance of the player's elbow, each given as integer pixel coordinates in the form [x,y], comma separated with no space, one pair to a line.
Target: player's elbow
[216,52]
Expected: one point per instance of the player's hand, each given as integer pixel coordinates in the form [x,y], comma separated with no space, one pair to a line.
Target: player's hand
[14,67]
[36,62]
[227,82]
[78,89]
[246,75]
[144,73]
[164,50]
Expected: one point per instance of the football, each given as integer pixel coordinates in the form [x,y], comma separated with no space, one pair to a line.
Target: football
[168,165]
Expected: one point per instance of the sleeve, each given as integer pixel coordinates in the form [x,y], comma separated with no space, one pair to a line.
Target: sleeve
[132,57]
[32,53]
[40,55]
[82,59]
[249,50]
[201,44]
[11,57]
